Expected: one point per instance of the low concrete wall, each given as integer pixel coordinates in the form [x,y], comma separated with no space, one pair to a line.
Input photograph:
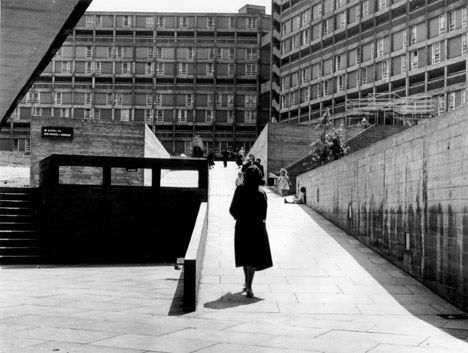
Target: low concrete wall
[406,197]
[194,258]
[14,158]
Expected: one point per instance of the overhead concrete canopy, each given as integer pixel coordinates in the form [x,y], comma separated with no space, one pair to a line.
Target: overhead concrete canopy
[31,31]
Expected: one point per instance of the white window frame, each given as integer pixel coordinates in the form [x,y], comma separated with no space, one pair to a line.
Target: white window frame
[451,21]
[230,101]
[383,4]
[37,111]
[451,101]
[183,69]
[250,69]
[209,101]
[88,67]
[464,44]
[211,22]
[404,66]
[64,112]
[231,54]
[97,67]
[58,98]
[342,19]
[190,54]
[159,115]
[88,98]
[231,69]
[380,47]
[250,101]
[88,113]
[98,21]
[149,22]
[413,34]
[118,99]
[109,100]
[250,53]
[363,75]
[209,116]
[209,69]
[463,97]
[440,104]
[229,116]
[89,21]
[211,53]
[414,64]
[149,100]
[405,39]
[182,116]
[464,17]
[88,52]
[59,53]
[251,23]
[435,53]
[159,53]
[149,68]
[158,100]
[365,8]
[148,116]
[160,68]
[250,116]
[126,68]
[119,52]
[33,97]
[160,22]
[232,23]
[442,24]
[338,63]
[340,83]
[189,100]
[125,115]
[183,21]
[126,21]
[385,70]
[150,53]
[96,113]
[325,27]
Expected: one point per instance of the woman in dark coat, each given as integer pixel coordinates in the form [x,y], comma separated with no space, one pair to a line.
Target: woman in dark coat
[251,245]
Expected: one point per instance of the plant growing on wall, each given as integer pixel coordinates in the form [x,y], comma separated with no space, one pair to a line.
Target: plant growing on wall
[329,146]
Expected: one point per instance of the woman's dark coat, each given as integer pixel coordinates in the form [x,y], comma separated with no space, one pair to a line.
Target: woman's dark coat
[251,245]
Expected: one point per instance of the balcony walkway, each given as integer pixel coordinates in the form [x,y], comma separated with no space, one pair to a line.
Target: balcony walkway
[325,293]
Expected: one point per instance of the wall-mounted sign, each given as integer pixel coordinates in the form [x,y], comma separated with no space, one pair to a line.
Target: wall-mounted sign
[57,132]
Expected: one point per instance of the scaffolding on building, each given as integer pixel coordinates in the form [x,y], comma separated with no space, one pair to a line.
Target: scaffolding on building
[390,107]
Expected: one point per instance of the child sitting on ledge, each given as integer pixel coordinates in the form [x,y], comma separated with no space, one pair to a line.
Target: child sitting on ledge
[301,199]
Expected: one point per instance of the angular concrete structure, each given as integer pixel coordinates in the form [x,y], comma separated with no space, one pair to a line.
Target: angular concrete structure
[30,33]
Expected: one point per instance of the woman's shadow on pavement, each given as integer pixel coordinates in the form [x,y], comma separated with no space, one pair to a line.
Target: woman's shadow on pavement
[231,300]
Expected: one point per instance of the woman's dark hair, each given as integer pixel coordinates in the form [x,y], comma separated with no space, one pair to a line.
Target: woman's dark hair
[252,176]
[302,189]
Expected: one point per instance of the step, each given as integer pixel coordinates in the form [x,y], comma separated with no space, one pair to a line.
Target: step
[19,233]
[16,217]
[17,210]
[22,259]
[17,189]
[21,242]
[16,203]
[16,196]
[20,250]
[17,225]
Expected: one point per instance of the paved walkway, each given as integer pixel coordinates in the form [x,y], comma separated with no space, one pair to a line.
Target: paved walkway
[325,293]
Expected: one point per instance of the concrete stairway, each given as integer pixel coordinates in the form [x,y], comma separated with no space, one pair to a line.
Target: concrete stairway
[20,236]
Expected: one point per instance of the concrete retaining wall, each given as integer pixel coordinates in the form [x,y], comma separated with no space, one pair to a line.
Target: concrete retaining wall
[407,197]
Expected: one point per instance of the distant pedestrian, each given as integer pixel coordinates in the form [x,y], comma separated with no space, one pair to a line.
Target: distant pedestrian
[251,245]
[283,183]
[211,157]
[258,163]
[249,162]
[239,159]
[225,157]
[239,179]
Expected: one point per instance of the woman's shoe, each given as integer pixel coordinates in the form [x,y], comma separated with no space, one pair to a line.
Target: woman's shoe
[244,288]
[249,293]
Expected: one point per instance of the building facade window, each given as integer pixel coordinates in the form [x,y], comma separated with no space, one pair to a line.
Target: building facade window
[190,54]
[385,70]
[250,69]
[413,34]
[149,100]
[365,8]
[183,21]
[232,23]
[230,116]
[442,28]
[64,112]
[230,101]
[464,44]
[209,116]
[380,47]
[37,111]
[126,68]
[451,101]
[436,53]
[158,100]
[127,21]
[58,98]
[88,98]
[189,100]
[183,68]
[251,54]
[148,116]
[150,53]
[441,104]
[149,22]
[451,21]
[250,101]
[125,115]
[159,53]
[160,68]
[414,59]
[210,69]
[182,116]
[160,22]
[251,23]
[149,68]
[159,116]
[250,116]
[403,63]
[211,22]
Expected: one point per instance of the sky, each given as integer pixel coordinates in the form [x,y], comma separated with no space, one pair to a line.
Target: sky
[229,6]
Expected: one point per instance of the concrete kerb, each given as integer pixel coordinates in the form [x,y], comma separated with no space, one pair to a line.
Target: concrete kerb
[194,258]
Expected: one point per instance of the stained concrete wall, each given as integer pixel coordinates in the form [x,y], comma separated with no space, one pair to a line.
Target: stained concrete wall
[89,138]
[406,197]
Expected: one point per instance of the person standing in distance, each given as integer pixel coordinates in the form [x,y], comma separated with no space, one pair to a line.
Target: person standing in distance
[251,244]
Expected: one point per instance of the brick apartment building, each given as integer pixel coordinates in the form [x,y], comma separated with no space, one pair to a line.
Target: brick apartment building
[334,54]
[180,73]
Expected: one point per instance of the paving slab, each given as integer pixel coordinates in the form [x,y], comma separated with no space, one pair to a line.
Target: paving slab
[325,293]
